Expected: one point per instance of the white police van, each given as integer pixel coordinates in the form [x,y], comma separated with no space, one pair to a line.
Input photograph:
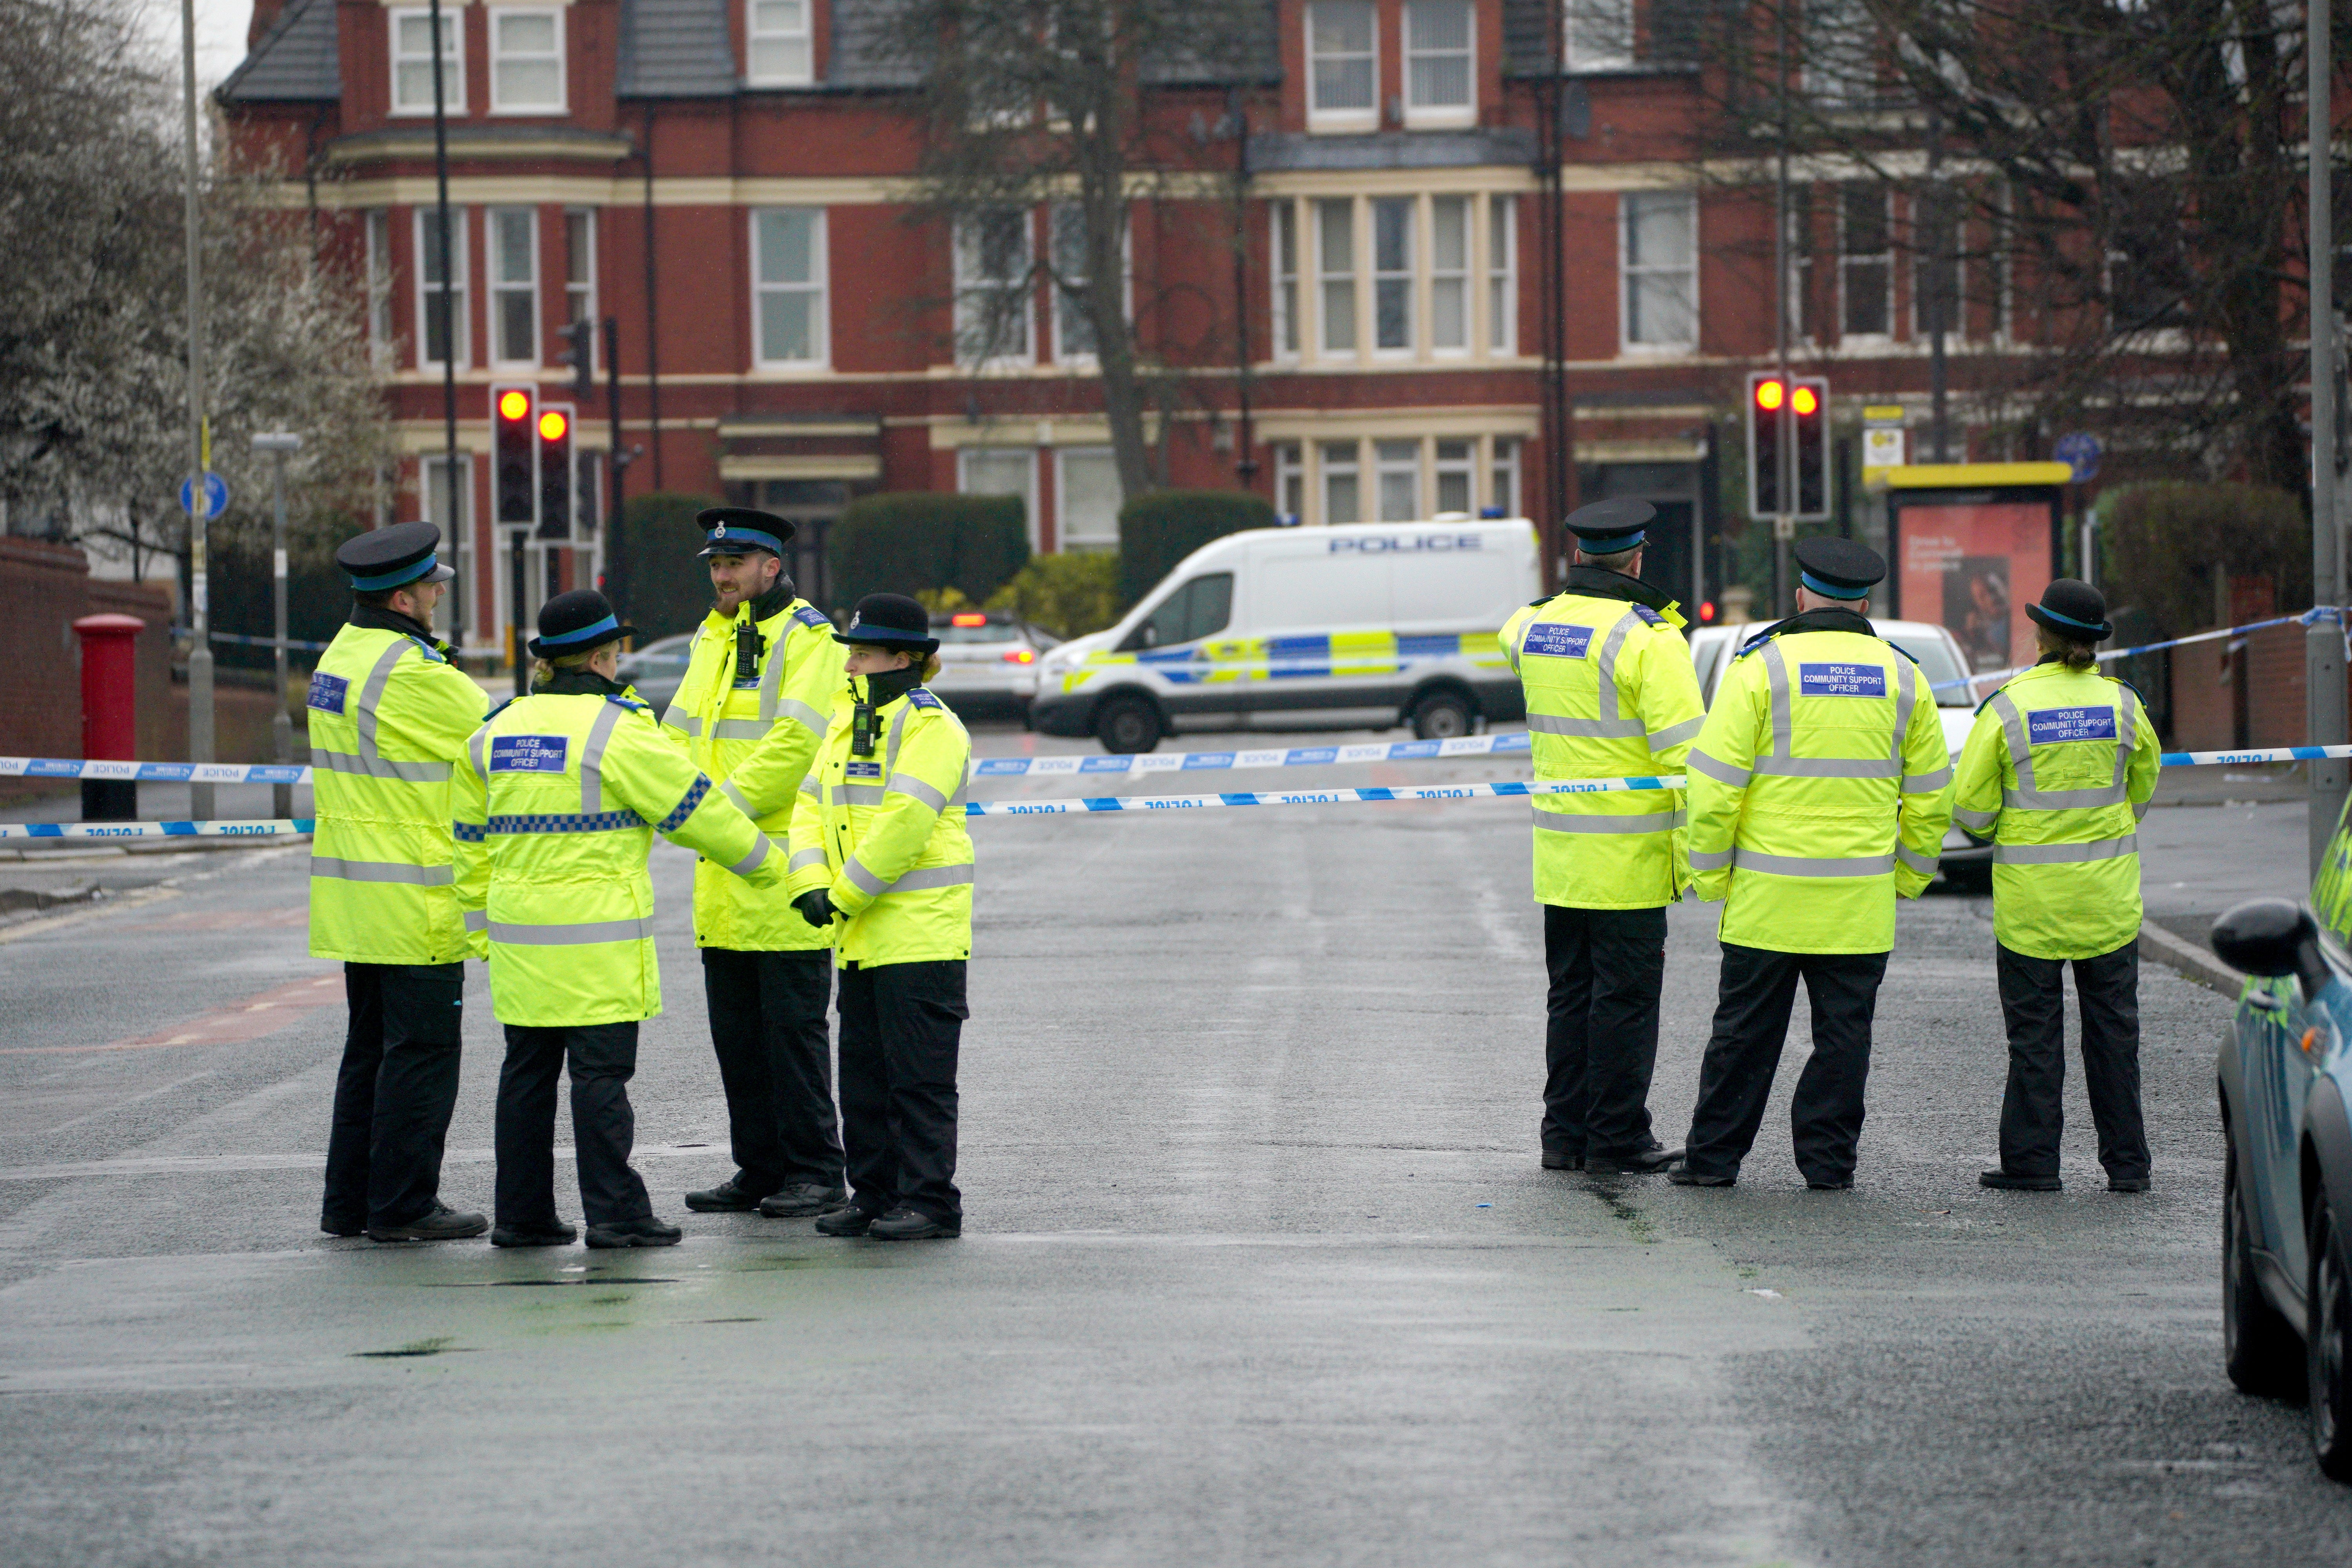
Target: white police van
[1351,627]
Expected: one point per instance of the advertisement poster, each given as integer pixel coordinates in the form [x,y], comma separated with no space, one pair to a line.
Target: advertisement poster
[1974,567]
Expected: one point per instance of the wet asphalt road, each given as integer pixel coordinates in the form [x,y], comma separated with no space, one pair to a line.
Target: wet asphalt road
[1259,1265]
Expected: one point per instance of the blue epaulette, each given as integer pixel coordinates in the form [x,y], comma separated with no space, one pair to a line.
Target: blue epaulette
[431,653]
[1906,652]
[620,701]
[1649,616]
[500,708]
[1752,643]
[2127,686]
[918,698]
[809,616]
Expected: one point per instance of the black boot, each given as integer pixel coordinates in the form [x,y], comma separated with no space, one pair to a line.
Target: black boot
[440,1223]
[646,1232]
[803,1200]
[730,1197]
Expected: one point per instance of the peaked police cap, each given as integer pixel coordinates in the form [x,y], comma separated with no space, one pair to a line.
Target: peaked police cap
[739,530]
[1838,568]
[1609,527]
[386,558]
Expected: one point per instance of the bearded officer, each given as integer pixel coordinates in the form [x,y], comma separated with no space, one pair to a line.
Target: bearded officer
[1816,799]
[554,813]
[389,715]
[1611,693]
[752,710]
[2057,771]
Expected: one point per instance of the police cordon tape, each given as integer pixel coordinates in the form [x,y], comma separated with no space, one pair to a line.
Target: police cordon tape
[2317,612]
[1507,788]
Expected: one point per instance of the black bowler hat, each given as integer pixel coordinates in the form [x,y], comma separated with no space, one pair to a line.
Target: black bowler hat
[576,623]
[739,530]
[892,621]
[2073,610]
[1838,568]
[385,558]
[1609,527]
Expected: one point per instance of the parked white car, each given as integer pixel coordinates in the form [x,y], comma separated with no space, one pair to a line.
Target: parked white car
[1965,857]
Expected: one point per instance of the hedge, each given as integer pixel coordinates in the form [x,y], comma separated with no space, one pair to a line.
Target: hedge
[2164,543]
[666,585]
[915,541]
[1160,528]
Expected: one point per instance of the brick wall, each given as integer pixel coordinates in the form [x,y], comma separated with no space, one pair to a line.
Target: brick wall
[44,589]
[2251,698]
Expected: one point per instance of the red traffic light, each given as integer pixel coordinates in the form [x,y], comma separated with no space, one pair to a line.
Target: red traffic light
[514,406]
[1706,610]
[1771,393]
[1804,400]
[552,424]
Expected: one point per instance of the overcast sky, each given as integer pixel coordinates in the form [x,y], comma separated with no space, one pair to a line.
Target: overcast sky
[220,35]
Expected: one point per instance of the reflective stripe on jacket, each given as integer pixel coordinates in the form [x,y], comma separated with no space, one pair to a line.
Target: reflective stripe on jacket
[389,715]
[1611,693]
[554,813]
[887,840]
[1817,790]
[756,741]
[2057,773]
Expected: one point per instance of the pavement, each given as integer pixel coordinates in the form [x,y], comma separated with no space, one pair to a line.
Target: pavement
[1259,1264]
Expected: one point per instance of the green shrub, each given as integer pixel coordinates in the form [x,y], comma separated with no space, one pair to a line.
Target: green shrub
[2163,544]
[1069,596]
[665,586]
[1158,529]
[920,543]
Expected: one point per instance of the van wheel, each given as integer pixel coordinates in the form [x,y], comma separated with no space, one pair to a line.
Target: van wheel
[1128,725]
[1441,716]
[2329,1348]
[2260,1350]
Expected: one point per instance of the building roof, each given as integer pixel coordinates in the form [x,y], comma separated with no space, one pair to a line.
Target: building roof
[295,61]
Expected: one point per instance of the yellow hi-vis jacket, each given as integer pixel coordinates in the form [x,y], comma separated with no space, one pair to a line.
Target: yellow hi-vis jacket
[1817,788]
[554,813]
[389,715]
[887,839]
[2057,773]
[1611,693]
[755,738]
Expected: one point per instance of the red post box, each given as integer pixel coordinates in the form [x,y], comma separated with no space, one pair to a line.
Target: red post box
[109,711]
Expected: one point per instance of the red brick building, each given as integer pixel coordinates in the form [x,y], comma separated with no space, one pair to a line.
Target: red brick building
[730,179]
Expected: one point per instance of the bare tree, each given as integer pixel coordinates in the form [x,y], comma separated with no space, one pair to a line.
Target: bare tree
[2118,185]
[92,328]
[1068,104]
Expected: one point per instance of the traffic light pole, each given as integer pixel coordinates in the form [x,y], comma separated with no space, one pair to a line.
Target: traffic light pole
[517,586]
[2323,648]
[616,566]
[1784,525]
[200,655]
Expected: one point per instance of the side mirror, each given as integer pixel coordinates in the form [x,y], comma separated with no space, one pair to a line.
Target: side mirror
[2271,937]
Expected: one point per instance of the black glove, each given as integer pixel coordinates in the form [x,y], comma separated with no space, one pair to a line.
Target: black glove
[815,908]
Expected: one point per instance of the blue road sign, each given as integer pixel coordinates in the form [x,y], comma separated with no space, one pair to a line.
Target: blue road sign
[215,496]
[2079,452]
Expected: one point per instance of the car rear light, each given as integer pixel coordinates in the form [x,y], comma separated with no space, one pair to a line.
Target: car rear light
[968,618]
[1021,655]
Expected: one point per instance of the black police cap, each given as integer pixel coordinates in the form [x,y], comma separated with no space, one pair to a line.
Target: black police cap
[1609,527]
[387,558]
[2073,609]
[739,530]
[892,621]
[576,623]
[1839,568]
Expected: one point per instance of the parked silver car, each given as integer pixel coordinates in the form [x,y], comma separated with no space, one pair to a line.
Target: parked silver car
[988,663]
[656,668]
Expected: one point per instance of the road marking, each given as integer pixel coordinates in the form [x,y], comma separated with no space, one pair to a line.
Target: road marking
[235,1023]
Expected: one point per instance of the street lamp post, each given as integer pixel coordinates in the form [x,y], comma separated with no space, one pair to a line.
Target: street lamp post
[277,444]
[2323,648]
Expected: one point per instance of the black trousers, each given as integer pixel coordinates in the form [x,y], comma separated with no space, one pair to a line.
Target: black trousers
[1600,1038]
[1751,1023]
[775,1062]
[900,1025]
[603,1057]
[2033,1006]
[395,1093]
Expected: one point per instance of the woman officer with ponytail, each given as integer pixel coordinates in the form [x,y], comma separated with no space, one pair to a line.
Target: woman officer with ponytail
[886,861]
